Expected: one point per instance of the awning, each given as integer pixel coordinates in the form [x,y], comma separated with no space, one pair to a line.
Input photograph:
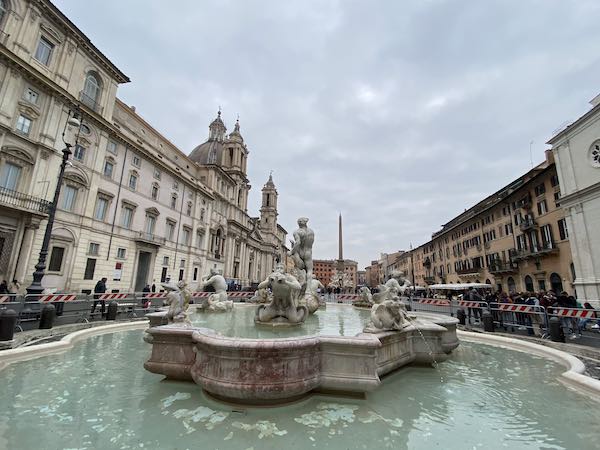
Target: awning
[460,286]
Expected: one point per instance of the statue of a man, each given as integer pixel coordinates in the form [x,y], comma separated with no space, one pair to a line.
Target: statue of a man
[178,298]
[301,251]
[218,300]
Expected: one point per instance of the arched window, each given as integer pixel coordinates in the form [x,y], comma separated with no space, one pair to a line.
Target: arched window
[3,10]
[529,284]
[91,90]
[556,283]
[511,285]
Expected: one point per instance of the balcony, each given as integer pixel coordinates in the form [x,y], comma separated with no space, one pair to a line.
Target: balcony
[527,224]
[501,267]
[470,271]
[427,262]
[429,280]
[90,102]
[149,238]
[18,200]
[546,248]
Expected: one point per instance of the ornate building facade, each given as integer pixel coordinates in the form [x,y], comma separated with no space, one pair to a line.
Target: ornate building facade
[133,207]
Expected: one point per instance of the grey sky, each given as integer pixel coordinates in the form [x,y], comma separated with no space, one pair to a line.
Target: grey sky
[399,114]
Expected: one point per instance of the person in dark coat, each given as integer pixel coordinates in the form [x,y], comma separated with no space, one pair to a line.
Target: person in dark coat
[4,287]
[100,288]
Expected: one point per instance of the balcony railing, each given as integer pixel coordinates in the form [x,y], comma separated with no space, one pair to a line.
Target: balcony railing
[469,271]
[429,280]
[499,267]
[527,224]
[90,102]
[149,238]
[543,249]
[23,201]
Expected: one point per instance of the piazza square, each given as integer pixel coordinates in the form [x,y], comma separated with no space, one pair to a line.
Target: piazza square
[259,225]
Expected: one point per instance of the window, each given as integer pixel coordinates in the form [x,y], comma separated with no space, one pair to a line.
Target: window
[133,180]
[521,242]
[2,10]
[32,96]
[79,153]
[108,168]
[9,176]
[181,273]
[91,91]
[546,232]
[154,192]
[186,236]
[163,275]
[542,285]
[43,52]
[199,239]
[150,224]
[94,249]
[121,253]
[195,274]
[554,180]
[111,147]
[165,260]
[173,201]
[23,124]
[90,268]
[540,189]
[101,208]
[182,263]
[56,259]
[529,284]
[562,229]
[542,207]
[556,283]
[508,229]
[126,216]
[69,197]
[157,174]
[170,230]
[136,161]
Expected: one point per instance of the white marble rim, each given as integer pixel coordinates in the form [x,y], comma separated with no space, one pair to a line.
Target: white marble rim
[574,376]
[65,343]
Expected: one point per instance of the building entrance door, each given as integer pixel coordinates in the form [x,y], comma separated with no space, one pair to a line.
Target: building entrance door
[143,267]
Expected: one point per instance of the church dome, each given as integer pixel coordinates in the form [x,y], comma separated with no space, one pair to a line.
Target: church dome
[211,151]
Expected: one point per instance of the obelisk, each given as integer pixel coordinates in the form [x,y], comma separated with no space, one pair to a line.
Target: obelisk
[341,251]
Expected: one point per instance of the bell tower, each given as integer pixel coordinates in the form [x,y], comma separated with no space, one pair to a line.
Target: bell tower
[268,210]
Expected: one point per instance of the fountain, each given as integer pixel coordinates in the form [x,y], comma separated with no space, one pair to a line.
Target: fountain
[281,369]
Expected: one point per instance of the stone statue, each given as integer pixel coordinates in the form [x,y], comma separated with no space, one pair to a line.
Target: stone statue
[366,298]
[311,297]
[261,296]
[301,251]
[217,301]
[178,299]
[392,289]
[284,307]
[387,316]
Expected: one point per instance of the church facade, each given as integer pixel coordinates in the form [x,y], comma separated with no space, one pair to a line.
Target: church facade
[133,207]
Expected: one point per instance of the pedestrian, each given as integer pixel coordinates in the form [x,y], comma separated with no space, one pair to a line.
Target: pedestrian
[146,289]
[15,287]
[153,286]
[99,289]
[583,322]
[4,287]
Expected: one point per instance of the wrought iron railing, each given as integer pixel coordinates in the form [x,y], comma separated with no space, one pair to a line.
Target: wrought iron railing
[90,102]
[19,200]
[502,267]
[149,237]
[537,250]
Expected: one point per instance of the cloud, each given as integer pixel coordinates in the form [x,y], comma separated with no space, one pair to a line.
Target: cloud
[399,115]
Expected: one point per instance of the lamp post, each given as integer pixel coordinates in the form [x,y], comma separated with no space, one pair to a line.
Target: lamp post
[70,135]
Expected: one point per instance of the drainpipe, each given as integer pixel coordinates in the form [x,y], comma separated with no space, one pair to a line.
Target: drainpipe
[112,228]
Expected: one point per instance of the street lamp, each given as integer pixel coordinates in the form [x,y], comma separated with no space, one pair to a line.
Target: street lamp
[70,136]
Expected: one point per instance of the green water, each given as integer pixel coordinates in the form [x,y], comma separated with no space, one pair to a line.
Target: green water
[98,396]
[335,320]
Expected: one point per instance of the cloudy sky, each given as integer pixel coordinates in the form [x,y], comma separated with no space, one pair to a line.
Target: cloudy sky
[398,114]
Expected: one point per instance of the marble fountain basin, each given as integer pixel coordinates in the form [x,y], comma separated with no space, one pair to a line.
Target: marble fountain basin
[282,369]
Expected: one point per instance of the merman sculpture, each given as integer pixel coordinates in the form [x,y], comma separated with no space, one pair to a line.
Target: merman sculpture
[178,299]
[217,302]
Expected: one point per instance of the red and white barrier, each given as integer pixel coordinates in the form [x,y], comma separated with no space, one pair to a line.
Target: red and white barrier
[51,298]
[153,294]
[5,298]
[570,312]
[433,301]
[240,294]
[469,304]
[201,294]
[518,308]
[113,296]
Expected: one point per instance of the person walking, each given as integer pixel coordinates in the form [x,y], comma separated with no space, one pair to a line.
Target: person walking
[99,289]
[4,287]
